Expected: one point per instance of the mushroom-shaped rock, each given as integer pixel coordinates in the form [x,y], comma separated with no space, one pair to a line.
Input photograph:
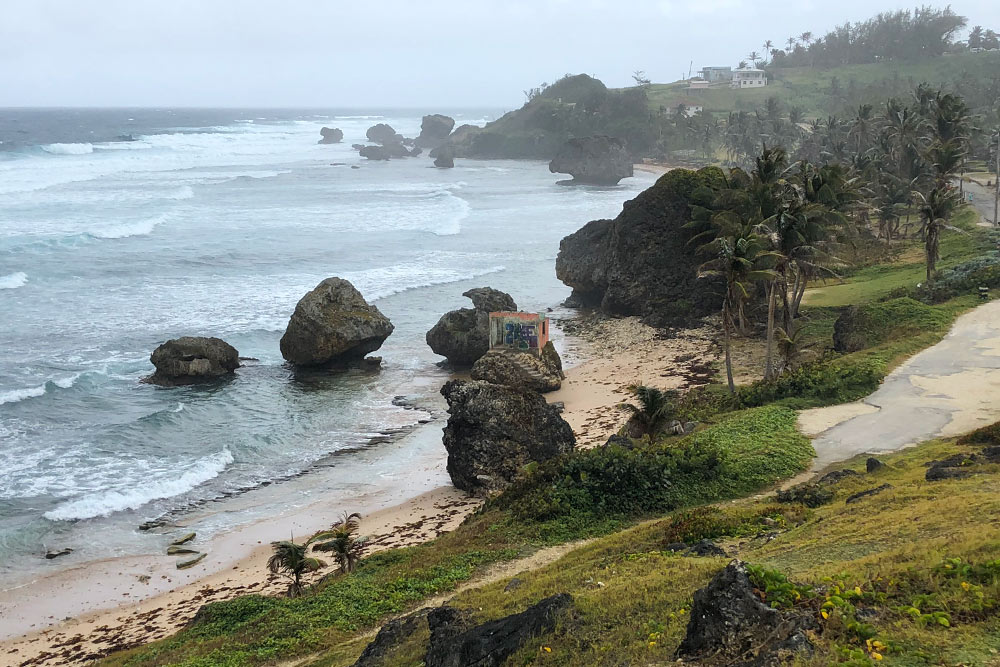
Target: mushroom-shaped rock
[331,135]
[463,335]
[434,130]
[192,359]
[374,152]
[381,133]
[595,160]
[445,158]
[541,373]
[493,431]
[333,324]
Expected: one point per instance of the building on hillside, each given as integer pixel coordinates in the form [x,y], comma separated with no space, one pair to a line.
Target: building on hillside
[687,107]
[716,74]
[698,83]
[527,332]
[749,77]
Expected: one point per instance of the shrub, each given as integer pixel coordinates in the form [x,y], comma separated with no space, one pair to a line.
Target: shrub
[987,435]
[867,325]
[836,380]
[810,495]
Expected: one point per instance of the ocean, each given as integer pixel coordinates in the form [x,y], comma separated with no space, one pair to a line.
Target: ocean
[122,228]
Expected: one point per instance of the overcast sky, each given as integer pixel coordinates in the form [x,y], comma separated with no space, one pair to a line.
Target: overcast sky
[419,53]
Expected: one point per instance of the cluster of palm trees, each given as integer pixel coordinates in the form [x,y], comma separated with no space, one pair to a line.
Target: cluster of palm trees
[772,228]
[292,560]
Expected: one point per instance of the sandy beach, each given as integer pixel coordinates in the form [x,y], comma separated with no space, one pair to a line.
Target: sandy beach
[86,612]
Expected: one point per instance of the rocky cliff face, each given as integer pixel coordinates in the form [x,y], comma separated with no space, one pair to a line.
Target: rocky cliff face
[192,359]
[463,335]
[333,324]
[640,263]
[493,431]
[596,160]
[541,373]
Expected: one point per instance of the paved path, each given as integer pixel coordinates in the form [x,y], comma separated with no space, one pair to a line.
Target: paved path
[948,389]
[982,201]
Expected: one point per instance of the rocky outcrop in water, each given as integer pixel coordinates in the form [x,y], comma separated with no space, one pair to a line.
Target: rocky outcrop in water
[434,130]
[641,263]
[493,431]
[730,625]
[541,373]
[382,133]
[192,359]
[463,335]
[374,152]
[445,158]
[333,324]
[331,135]
[595,160]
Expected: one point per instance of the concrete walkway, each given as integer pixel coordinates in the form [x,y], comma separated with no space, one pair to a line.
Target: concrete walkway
[982,201]
[946,390]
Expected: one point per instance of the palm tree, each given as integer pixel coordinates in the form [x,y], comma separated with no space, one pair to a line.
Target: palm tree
[806,38]
[935,211]
[292,560]
[754,57]
[656,409]
[791,43]
[342,542]
[768,47]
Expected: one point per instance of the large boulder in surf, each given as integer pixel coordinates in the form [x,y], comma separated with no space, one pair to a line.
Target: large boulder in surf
[333,324]
[641,263]
[596,160]
[434,130]
[382,133]
[493,431]
[331,135]
[514,368]
[192,359]
[445,158]
[463,335]
[374,152]
[730,625]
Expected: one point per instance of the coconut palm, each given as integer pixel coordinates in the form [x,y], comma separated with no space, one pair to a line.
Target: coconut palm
[293,561]
[342,542]
[791,43]
[936,209]
[656,409]
[753,56]
[806,38]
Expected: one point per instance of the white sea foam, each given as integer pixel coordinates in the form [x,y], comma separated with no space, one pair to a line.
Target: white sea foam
[69,149]
[108,502]
[17,395]
[127,229]
[13,280]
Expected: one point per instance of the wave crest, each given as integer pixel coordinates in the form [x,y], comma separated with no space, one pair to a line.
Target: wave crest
[68,149]
[13,280]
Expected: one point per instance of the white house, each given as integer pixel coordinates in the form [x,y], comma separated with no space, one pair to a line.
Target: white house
[748,77]
[716,74]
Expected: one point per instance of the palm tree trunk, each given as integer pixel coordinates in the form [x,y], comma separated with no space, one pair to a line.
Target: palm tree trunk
[729,360]
[769,363]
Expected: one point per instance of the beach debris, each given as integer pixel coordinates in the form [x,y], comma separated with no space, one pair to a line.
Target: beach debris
[143,578]
[177,550]
[49,555]
[185,564]
[183,540]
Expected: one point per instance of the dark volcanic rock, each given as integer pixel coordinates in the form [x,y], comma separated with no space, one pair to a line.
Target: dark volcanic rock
[333,324]
[641,263]
[835,476]
[493,431]
[445,158]
[729,625]
[873,464]
[490,644]
[331,135]
[383,134]
[540,373]
[855,497]
[595,160]
[193,359]
[434,130]
[463,335]
[374,152]
[390,637]
[704,548]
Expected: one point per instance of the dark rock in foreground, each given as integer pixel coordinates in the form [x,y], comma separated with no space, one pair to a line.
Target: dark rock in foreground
[855,497]
[541,373]
[452,644]
[333,324]
[596,160]
[463,335]
[331,135]
[434,130]
[192,359]
[493,431]
[445,158]
[390,637]
[730,625]
[641,263]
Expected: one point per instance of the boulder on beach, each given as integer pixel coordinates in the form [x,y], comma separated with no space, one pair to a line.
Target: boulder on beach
[192,359]
[434,130]
[331,135]
[332,325]
[641,263]
[493,431]
[445,158]
[514,368]
[596,160]
[463,335]
[729,625]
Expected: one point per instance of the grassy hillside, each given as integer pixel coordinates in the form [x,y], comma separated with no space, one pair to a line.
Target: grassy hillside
[814,92]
